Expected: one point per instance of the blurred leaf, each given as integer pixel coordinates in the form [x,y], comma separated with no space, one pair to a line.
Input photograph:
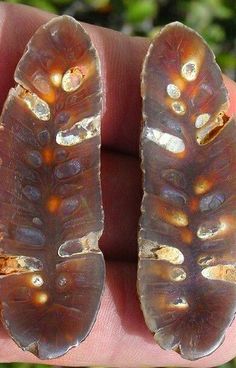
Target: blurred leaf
[228,365]
[61,2]
[44,5]
[198,16]
[201,13]
[15,2]
[138,11]
[227,61]
[218,8]
[97,4]
[215,33]
[41,4]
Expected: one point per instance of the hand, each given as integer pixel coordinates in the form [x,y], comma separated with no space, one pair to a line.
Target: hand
[120,337]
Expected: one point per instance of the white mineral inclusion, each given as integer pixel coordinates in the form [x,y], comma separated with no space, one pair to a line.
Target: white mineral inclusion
[189,71]
[170,254]
[201,120]
[85,244]
[37,280]
[38,107]
[84,129]
[208,231]
[222,272]
[56,79]
[72,79]
[37,221]
[173,91]
[178,107]
[165,140]
[178,274]
[181,303]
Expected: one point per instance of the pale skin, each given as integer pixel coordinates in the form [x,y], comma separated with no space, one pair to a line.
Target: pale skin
[120,337]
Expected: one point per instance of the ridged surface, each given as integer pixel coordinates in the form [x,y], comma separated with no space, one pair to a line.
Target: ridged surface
[187,253]
[51,213]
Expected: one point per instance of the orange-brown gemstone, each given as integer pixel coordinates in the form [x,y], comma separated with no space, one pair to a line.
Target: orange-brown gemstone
[189,200]
[51,218]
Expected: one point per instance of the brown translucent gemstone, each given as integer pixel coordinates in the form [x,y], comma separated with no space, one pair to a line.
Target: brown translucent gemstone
[51,217]
[187,237]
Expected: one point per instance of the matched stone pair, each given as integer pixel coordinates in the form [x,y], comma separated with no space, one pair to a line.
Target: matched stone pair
[51,215]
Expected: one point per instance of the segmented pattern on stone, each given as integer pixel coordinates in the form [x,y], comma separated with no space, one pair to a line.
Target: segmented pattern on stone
[50,213]
[187,253]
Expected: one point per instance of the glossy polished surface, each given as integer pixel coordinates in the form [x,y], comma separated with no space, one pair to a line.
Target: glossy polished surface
[187,253]
[51,217]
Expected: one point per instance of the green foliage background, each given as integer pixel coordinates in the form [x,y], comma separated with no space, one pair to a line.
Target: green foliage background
[214,19]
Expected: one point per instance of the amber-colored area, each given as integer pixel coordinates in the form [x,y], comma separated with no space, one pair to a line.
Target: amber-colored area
[40,297]
[53,204]
[202,185]
[173,216]
[49,97]
[47,154]
[46,182]
[178,80]
[186,236]
[10,265]
[194,203]
[189,202]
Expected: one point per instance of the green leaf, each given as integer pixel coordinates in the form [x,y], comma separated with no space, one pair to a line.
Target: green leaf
[98,4]
[13,2]
[215,33]
[227,61]
[218,9]
[198,16]
[227,365]
[44,5]
[61,2]
[138,11]
[41,4]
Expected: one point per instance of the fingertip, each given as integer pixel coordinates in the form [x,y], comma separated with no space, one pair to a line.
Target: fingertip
[121,62]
